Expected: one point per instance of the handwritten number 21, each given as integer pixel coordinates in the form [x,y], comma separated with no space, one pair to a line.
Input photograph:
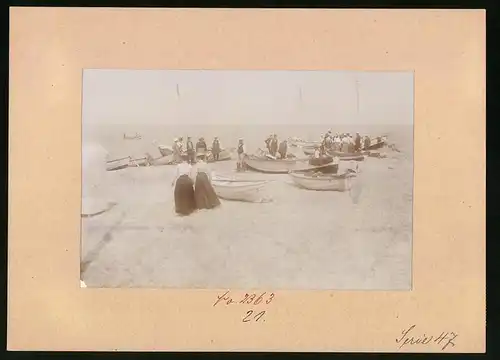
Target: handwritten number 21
[256,317]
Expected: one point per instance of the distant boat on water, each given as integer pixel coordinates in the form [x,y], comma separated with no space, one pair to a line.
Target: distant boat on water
[136,136]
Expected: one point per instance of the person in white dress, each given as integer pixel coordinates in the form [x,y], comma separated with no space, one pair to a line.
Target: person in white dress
[184,189]
[242,153]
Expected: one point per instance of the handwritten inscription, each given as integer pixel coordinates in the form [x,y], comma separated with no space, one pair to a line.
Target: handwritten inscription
[411,337]
[249,299]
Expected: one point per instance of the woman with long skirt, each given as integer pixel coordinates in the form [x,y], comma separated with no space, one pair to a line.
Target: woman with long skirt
[185,203]
[204,193]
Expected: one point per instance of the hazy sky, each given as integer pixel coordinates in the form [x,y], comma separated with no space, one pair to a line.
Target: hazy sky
[260,97]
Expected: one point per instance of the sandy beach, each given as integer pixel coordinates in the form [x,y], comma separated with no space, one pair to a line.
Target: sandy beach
[300,239]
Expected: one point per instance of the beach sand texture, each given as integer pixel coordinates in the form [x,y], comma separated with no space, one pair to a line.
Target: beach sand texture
[301,239]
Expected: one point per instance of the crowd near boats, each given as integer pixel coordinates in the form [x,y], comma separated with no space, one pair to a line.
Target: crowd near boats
[317,170]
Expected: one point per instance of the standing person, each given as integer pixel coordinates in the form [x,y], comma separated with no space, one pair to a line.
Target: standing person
[273,147]
[216,148]
[357,142]
[367,143]
[180,145]
[241,150]
[190,151]
[175,150]
[345,144]
[351,144]
[184,199]
[283,148]
[204,193]
[336,143]
[329,142]
[268,143]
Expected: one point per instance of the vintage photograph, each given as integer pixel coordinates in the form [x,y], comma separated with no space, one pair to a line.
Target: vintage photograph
[213,179]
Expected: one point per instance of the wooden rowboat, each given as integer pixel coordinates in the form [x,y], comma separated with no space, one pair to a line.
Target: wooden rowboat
[323,182]
[270,166]
[342,155]
[348,156]
[238,190]
[118,164]
[132,137]
[302,143]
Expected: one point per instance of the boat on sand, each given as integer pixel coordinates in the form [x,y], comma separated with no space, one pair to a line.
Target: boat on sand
[270,166]
[118,164]
[323,182]
[296,142]
[224,155]
[237,189]
[342,155]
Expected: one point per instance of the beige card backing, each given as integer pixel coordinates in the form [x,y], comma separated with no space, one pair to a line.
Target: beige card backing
[49,48]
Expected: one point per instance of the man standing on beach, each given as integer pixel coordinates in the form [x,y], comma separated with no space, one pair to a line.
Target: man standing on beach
[357,142]
[190,151]
[241,155]
[268,143]
[274,145]
[283,148]
[216,148]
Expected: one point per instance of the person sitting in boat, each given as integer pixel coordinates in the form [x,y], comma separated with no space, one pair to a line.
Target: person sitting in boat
[273,146]
[184,199]
[283,148]
[318,158]
[201,147]
[367,142]
[216,148]
[190,151]
[241,150]
[204,193]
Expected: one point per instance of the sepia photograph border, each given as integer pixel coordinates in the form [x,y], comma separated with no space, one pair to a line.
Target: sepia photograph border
[50,47]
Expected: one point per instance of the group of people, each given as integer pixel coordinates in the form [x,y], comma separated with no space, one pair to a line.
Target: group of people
[190,151]
[275,148]
[343,142]
[193,187]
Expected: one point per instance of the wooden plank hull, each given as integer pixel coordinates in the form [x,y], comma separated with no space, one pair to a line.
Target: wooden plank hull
[323,182]
[118,164]
[285,166]
[341,155]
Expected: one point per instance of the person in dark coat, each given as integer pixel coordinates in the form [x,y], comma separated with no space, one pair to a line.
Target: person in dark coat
[190,151]
[204,193]
[273,146]
[268,143]
[357,142]
[216,148]
[184,198]
[367,143]
[283,148]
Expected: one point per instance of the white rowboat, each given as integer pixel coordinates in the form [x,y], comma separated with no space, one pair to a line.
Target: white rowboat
[323,182]
[240,190]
